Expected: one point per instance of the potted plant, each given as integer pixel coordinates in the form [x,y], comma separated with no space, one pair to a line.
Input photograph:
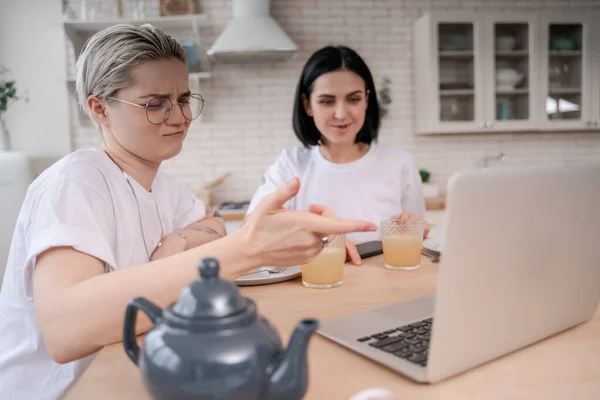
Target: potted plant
[385,97]
[430,189]
[8,95]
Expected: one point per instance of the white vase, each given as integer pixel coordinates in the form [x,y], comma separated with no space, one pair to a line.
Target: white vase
[4,137]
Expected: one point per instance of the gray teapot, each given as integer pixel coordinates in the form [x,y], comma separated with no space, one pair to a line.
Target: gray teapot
[211,344]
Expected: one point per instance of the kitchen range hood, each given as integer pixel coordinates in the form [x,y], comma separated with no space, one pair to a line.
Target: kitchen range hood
[252,36]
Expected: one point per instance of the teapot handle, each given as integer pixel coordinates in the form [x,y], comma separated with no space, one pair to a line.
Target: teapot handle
[129,342]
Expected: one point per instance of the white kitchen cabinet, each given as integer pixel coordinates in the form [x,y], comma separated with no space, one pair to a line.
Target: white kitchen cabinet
[490,71]
[510,71]
[595,71]
[448,68]
[566,74]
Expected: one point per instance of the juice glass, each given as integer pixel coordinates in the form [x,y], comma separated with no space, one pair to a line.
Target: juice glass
[402,244]
[327,269]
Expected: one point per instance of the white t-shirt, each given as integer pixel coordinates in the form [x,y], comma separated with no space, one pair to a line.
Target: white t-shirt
[380,184]
[84,201]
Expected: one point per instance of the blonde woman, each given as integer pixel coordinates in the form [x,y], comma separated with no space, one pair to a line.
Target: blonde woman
[103,226]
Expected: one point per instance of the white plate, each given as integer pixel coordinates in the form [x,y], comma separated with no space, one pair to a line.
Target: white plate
[266,278]
[433,243]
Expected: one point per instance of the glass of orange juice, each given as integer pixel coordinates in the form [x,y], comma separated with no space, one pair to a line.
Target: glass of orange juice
[402,244]
[327,269]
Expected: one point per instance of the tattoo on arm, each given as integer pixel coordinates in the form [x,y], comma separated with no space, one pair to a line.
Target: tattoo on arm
[206,230]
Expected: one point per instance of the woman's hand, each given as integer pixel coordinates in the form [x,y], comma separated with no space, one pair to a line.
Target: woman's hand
[351,251]
[405,215]
[283,238]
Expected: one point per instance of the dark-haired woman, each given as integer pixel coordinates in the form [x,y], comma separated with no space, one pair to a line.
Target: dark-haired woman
[336,117]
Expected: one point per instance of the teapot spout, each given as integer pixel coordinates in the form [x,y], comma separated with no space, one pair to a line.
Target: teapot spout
[289,379]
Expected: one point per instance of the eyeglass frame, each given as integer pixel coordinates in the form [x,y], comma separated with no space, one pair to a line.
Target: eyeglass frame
[168,114]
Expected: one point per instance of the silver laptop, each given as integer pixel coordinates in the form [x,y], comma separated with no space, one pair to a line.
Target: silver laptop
[520,262]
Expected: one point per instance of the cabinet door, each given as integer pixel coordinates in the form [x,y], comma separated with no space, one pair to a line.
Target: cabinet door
[448,67]
[565,71]
[510,65]
[595,70]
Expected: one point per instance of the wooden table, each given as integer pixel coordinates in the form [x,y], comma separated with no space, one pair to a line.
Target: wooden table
[566,366]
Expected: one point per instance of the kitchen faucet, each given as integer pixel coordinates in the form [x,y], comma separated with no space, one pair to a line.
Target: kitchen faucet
[485,163]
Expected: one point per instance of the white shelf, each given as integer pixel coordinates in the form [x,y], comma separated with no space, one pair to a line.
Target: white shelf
[564,91]
[457,92]
[167,23]
[565,53]
[513,53]
[513,91]
[79,31]
[456,53]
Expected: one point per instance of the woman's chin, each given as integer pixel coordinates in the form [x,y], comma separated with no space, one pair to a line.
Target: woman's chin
[169,152]
[341,139]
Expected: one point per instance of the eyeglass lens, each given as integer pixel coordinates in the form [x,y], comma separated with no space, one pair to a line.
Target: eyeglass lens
[158,109]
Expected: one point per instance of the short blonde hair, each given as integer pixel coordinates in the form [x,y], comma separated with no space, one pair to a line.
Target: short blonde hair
[107,58]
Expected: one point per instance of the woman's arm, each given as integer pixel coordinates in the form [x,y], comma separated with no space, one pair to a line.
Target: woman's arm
[196,234]
[79,308]
[204,231]
[412,198]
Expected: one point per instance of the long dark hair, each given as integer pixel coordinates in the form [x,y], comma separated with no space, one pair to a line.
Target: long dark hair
[329,59]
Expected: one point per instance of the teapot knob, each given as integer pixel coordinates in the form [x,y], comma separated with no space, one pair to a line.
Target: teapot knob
[209,268]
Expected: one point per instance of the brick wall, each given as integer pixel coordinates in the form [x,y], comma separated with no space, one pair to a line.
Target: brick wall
[247,118]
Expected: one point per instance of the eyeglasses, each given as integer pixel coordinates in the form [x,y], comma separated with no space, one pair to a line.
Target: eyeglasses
[159,109]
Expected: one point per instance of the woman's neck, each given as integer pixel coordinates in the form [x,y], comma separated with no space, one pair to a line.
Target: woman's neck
[141,170]
[343,154]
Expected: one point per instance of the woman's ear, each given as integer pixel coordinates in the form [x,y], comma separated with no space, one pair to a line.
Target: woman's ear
[98,110]
[367,93]
[306,105]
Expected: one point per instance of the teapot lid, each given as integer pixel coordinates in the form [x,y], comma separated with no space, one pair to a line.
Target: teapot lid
[209,297]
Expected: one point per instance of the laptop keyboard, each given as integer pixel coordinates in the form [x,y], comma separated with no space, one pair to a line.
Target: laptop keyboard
[410,342]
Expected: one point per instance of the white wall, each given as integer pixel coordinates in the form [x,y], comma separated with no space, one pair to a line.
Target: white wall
[32,47]
[247,117]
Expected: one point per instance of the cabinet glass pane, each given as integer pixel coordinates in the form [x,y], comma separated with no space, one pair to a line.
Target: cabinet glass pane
[565,58]
[456,58]
[511,49]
